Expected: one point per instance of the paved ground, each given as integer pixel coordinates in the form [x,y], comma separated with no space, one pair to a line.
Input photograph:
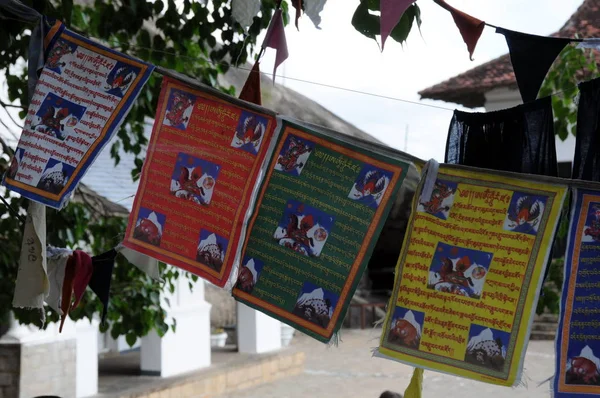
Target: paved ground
[349,371]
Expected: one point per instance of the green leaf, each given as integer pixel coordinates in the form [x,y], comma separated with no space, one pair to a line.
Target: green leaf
[67,8]
[401,31]
[364,22]
[131,338]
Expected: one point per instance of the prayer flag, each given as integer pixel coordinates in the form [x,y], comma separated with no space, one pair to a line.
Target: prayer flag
[244,11]
[275,39]
[391,12]
[577,343]
[82,96]
[251,90]
[470,272]
[519,139]
[198,181]
[103,265]
[317,218]
[586,165]
[470,27]
[312,9]
[531,57]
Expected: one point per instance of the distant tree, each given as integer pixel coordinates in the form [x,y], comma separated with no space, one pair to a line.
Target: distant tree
[199,39]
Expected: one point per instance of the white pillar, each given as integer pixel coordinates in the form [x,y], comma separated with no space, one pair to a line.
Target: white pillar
[257,333]
[188,348]
[87,357]
[47,357]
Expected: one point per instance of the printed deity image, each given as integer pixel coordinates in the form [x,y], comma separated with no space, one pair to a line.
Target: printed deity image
[441,200]
[406,328]
[57,117]
[370,185]
[55,176]
[179,109]
[525,213]
[591,230]
[294,155]
[303,229]
[13,169]
[487,347]
[120,78]
[211,250]
[149,226]
[249,132]
[55,61]
[315,304]
[194,179]
[583,366]
[249,272]
[459,271]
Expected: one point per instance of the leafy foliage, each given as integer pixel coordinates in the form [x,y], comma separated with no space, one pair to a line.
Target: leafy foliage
[367,22]
[198,39]
[549,300]
[572,65]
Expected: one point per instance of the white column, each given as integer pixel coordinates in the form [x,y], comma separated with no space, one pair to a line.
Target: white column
[188,348]
[257,333]
[87,357]
[47,357]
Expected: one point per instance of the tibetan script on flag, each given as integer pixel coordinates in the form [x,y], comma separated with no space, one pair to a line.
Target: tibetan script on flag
[202,165]
[319,213]
[578,340]
[82,96]
[469,274]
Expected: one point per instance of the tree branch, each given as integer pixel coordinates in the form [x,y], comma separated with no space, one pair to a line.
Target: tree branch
[4,145]
[5,105]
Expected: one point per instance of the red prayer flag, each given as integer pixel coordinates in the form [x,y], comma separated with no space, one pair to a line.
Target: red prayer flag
[67,291]
[275,39]
[83,274]
[391,12]
[298,5]
[251,90]
[470,27]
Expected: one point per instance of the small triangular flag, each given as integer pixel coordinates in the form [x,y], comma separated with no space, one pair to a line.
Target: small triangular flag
[103,265]
[275,39]
[299,6]
[470,27]
[244,11]
[312,9]
[57,264]
[251,90]
[391,12]
[67,291]
[415,388]
[531,57]
[83,274]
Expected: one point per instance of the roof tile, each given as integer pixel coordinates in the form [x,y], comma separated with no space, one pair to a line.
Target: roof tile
[469,88]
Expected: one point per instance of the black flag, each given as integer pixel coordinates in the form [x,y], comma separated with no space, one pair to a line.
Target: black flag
[587,148]
[531,56]
[103,265]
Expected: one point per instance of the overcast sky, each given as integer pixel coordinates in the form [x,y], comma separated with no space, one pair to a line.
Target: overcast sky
[339,55]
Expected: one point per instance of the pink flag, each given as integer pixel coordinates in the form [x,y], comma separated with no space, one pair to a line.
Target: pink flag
[275,38]
[391,12]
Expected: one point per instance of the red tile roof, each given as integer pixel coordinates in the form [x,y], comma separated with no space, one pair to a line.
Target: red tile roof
[469,88]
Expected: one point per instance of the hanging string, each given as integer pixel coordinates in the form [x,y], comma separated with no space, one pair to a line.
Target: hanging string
[12,210]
